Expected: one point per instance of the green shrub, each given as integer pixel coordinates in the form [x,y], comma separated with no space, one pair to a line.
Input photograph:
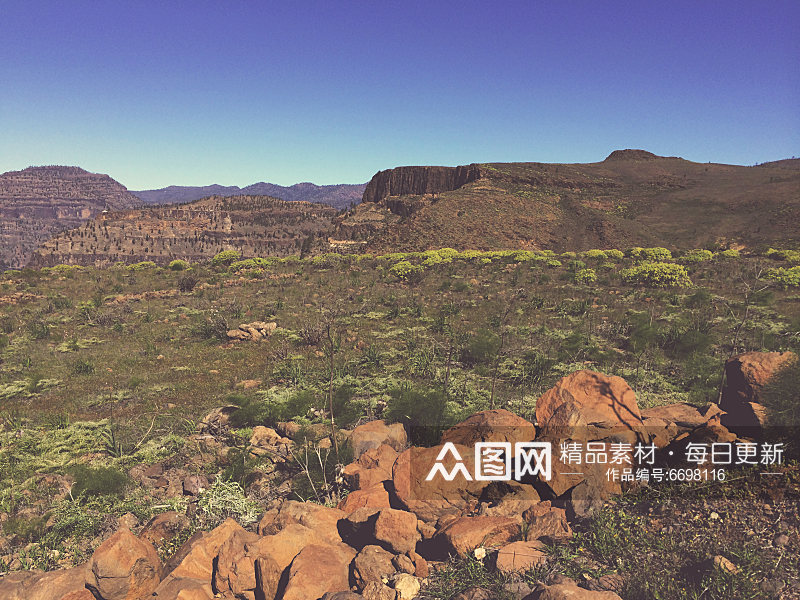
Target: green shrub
[225,258]
[423,411]
[141,266]
[650,254]
[787,255]
[657,275]
[83,367]
[575,265]
[553,263]
[615,254]
[481,349]
[784,277]
[252,263]
[187,282]
[98,481]
[781,397]
[585,276]
[696,256]
[224,499]
[178,265]
[595,254]
[729,253]
[405,271]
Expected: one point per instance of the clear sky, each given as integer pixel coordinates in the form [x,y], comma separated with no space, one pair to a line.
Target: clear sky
[234,92]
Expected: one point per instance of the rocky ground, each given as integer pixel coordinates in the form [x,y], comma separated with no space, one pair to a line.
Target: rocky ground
[385,532]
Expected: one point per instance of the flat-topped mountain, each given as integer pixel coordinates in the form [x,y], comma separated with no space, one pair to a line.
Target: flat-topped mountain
[339,196]
[38,202]
[253,225]
[633,197]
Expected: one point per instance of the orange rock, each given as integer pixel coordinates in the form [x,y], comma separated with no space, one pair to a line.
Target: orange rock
[520,556]
[464,534]
[322,519]
[490,426]
[373,497]
[318,569]
[596,397]
[123,568]
[373,466]
[373,434]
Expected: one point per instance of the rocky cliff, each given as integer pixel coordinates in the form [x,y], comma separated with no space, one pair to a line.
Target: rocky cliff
[253,225]
[39,202]
[416,181]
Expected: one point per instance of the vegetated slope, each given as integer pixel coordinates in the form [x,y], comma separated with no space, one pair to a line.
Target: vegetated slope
[339,196]
[253,225]
[39,202]
[633,197]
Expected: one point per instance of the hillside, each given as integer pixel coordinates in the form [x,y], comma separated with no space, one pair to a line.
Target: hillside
[633,197]
[253,225]
[39,202]
[339,196]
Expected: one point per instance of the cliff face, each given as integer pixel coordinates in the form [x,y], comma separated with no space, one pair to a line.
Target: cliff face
[418,181]
[253,225]
[39,202]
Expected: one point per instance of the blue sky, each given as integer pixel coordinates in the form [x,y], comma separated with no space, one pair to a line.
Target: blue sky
[193,93]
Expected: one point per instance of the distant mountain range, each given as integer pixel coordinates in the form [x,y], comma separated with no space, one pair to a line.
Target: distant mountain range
[339,196]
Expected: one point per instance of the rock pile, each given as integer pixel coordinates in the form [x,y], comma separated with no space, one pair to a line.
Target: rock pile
[257,330]
[378,542]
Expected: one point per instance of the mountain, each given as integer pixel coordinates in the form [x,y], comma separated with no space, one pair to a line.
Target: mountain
[633,197]
[253,225]
[339,196]
[39,202]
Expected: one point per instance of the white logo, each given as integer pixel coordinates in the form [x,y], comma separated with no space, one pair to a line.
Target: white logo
[493,461]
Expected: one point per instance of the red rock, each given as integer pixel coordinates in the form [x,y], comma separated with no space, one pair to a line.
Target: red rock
[234,568]
[597,398]
[490,426]
[184,588]
[462,535]
[374,497]
[373,434]
[63,584]
[430,500]
[321,519]
[573,592]
[544,521]
[748,373]
[395,530]
[372,467]
[194,559]
[372,563]
[123,568]
[421,569]
[164,526]
[520,556]
[318,569]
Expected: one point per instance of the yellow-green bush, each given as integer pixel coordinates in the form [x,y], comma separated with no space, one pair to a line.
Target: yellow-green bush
[140,266]
[657,274]
[585,276]
[252,263]
[784,277]
[649,254]
[225,258]
[178,265]
[787,255]
[729,253]
[594,254]
[615,254]
[697,255]
[404,270]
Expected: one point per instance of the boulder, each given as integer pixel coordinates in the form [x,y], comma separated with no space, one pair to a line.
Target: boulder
[318,569]
[748,373]
[395,530]
[520,556]
[430,500]
[373,434]
[491,426]
[372,467]
[234,567]
[421,569]
[184,588]
[596,397]
[194,559]
[374,497]
[377,590]
[474,593]
[463,534]
[63,584]
[372,563]
[164,527]
[194,484]
[264,437]
[322,519]
[546,522]
[407,586]
[342,596]
[123,568]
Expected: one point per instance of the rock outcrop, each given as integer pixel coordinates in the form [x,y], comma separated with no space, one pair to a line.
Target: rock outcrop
[418,181]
